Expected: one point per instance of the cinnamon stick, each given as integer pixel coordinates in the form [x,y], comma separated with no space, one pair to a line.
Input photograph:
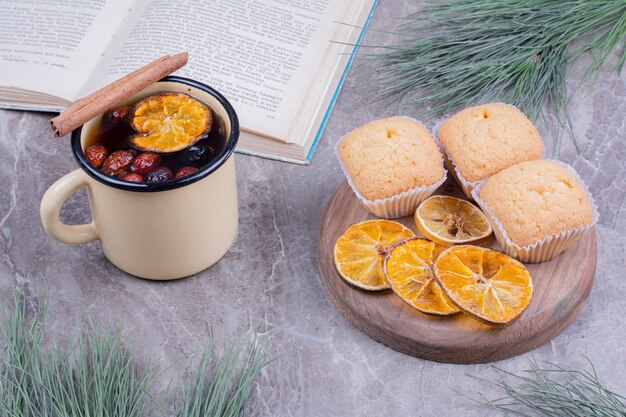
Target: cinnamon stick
[97,103]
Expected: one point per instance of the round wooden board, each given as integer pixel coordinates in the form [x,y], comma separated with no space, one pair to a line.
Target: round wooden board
[561,288]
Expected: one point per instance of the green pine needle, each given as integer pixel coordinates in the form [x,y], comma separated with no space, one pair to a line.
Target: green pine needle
[222,384]
[462,52]
[21,360]
[555,391]
[96,376]
[100,378]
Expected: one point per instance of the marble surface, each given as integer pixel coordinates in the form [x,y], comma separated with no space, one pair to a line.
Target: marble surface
[269,279]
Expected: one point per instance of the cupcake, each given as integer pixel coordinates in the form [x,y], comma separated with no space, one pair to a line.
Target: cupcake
[392,165]
[483,140]
[537,209]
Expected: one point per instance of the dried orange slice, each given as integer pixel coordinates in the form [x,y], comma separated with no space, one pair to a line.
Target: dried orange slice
[487,284]
[408,270]
[450,220]
[360,251]
[168,122]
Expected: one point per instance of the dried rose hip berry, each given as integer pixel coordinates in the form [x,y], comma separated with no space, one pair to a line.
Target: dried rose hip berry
[184,171]
[96,154]
[159,174]
[117,114]
[144,162]
[132,177]
[117,162]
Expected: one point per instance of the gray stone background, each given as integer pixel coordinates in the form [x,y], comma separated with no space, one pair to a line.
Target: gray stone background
[269,279]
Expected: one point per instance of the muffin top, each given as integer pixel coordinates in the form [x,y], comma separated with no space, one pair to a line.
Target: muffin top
[536,199]
[485,139]
[386,157]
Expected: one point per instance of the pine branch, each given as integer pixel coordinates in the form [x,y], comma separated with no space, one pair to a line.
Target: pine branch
[554,391]
[462,52]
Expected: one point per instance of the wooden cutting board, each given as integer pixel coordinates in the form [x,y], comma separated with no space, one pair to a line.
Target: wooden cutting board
[561,288]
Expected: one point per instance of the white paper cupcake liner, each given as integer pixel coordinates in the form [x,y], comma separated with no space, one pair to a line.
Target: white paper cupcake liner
[399,205]
[545,249]
[466,186]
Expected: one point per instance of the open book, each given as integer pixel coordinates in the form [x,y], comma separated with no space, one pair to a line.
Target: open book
[279,62]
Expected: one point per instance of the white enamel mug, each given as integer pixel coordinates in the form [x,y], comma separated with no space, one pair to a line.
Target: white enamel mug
[157,231]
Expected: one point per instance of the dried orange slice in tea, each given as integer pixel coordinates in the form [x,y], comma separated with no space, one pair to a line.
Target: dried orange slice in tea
[449,220]
[408,271]
[168,122]
[487,284]
[360,251]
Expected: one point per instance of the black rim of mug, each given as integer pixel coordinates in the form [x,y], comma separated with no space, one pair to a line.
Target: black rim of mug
[176,183]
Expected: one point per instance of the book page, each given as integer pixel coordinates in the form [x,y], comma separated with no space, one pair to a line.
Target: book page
[322,92]
[261,54]
[51,46]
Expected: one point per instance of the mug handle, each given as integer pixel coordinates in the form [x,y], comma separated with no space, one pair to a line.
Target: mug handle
[50,209]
